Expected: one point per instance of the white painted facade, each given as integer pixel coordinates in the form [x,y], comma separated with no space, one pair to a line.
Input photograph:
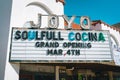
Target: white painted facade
[115,35]
[22,13]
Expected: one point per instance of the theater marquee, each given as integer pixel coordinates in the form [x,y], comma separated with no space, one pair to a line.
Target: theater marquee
[40,45]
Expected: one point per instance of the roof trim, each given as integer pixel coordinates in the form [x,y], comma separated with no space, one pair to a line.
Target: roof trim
[62,1]
[101,22]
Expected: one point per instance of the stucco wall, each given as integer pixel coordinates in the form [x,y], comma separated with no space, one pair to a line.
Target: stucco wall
[22,13]
[19,15]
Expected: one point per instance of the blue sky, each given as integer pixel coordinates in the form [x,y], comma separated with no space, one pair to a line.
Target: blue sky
[106,10]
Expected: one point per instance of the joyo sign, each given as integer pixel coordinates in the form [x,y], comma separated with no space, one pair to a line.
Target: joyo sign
[53,22]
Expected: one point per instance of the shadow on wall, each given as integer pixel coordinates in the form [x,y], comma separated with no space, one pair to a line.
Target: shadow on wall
[5,14]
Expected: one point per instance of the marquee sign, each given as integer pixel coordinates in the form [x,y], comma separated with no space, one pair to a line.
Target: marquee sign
[59,45]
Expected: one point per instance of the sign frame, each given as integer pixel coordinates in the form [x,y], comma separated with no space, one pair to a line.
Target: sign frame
[57,61]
